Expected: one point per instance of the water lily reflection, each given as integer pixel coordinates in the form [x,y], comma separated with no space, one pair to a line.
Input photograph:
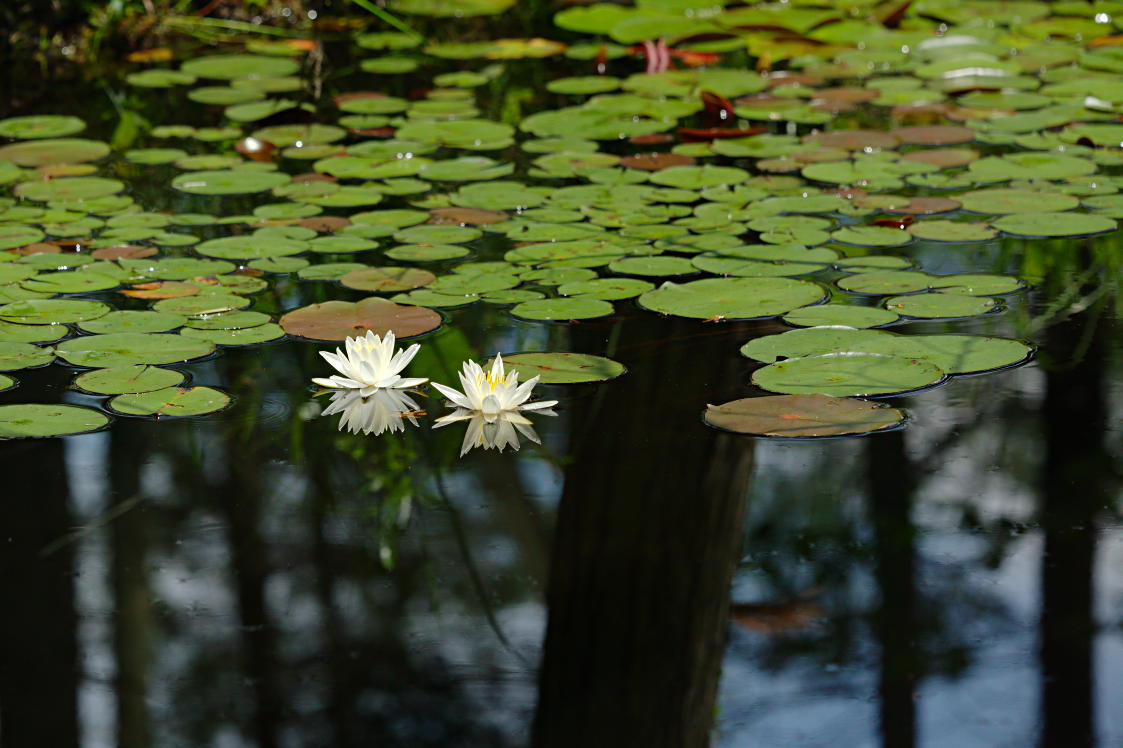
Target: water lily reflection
[493,403]
[385,410]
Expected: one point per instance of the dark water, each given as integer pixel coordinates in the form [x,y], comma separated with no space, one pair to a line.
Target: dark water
[258,578]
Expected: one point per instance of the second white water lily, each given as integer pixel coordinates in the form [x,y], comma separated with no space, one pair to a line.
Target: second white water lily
[493,402]
[370,364]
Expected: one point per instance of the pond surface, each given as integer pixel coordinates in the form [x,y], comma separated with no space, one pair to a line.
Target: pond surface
[260,576]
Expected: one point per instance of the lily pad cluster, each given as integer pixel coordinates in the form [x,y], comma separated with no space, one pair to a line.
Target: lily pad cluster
[686,159]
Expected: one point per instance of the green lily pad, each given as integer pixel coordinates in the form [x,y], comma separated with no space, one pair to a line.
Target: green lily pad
[1002,201]
[280,265]
[40,126]
[387,279]
[732,298]
[229,181]
[940,305]
[229,320]
[11,332]
[1054,224]
[16,356]
[16,235]
[171,402]
[7,383]
[859,317]
[880,283]
[952,231]
[251,247]
[228,67]
[128,348]
[33,420]
[52,311]
[339,320]
[70,281]
[329,271]
[310,134]
[872,236]
[816,341]
[699,177]
[848,374]
[608,289]
[1031,165]
[802,416]
[426,252]
[122,380]
[563,368]
[339,245]
[435,234]
[570,308]
[977,284]
[224,95]
[133,321]
[242,336]
[69,188]
[54,151]
[212,303]
[653,267]
[157,78]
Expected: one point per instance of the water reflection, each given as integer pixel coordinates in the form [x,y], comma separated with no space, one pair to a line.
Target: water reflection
[385,410]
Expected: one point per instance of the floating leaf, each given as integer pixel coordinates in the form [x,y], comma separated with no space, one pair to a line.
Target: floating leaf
[387,279]
[859,317]
[40,126]
[952,231]
[338,320]
[802,416]
[609,289]
[872,236]
[848,374]
[69,188]
[128,348]
[242,336]
[54,151]
[940,305]
[175,402]
[133,321]
[38,420]
[251,247]
[653,267]
[128,379]
[1004,201]
[1054,224]
[229,181]
[7,383]
[15,333]
[884,282]
[571,308]
[211,303]
[563,368]
[16,356]
[52,311]
[732,298]
[228,67]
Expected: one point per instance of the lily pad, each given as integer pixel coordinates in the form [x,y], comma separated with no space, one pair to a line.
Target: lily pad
[69,188]
[563,368]
[387,279]
[14,333]
[1054,224]
[339,320]
[848,374]
[952,231]
[802,416]
[16,356]
[609,289]
[54,151]
[33,420]
[40,126]
[251,247]
[653,267]
[128,348]
[265,333]
[211,303]
[229,67]
[52,311]
[732,298]
[174,402]
[229,181]
[880,283]
[571,308]
[1003,201]
[859,317]
[426,252]
[872,236]
[940,305]
[122,380]
[7,383]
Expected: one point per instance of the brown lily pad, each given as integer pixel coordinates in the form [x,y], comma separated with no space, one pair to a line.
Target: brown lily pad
[387,279]
[465,216]
[933,134]
[945,158]
[325,223]
[339,320]
[853,140]
[124,251]
[655,161]
[802,416]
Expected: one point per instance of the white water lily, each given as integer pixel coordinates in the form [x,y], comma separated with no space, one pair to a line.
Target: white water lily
[385,410]
[493,403]
[370,365]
